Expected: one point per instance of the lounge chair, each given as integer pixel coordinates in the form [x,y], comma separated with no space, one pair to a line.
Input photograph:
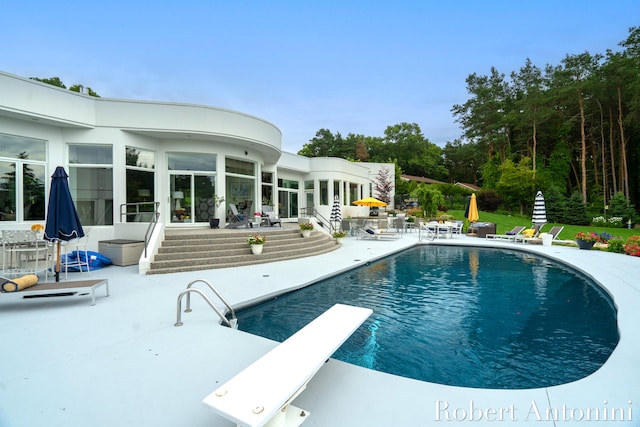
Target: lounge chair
[537,239]
[510,235]
[376,234]
[27,287]
[269,217]
[237,219]
[529,233]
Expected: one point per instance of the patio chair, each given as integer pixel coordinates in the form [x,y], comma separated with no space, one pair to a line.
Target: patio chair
[457,228]
[510,235]
[237,219]
[269,217]
[74,255]
[23,252]
[399,222]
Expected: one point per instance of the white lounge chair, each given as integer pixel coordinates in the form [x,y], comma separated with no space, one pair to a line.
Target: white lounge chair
[377,234]
[537,239]
[262,393]
[55,289]
[510,235]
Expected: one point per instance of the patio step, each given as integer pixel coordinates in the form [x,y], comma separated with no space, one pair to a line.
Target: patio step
[204,249]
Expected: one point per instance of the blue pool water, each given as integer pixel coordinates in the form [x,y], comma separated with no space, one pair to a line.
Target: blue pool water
[468,317]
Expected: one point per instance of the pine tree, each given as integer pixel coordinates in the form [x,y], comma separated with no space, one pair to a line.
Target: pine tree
[576,210]
[383,185]
[556,205]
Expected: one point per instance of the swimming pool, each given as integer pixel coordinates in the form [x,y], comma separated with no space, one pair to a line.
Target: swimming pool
[461,316]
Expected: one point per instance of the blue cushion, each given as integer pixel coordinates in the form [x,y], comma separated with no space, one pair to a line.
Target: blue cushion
[370,231]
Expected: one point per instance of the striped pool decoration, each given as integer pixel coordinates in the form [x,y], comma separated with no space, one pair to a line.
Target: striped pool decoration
[539,210]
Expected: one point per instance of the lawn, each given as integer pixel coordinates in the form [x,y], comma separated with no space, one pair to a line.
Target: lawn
[505,223]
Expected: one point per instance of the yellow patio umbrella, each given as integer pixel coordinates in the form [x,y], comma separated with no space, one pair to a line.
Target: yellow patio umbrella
[369,201]
[472,216]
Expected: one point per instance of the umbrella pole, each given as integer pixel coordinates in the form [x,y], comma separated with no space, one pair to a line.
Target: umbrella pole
[58,262]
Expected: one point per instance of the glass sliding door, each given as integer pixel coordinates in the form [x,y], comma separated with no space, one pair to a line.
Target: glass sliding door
[288,197]
[204,189]
[180,191]
[192,187]
[288,204]
[192,198]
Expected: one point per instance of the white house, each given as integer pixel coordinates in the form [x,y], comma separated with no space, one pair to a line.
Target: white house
[125,158]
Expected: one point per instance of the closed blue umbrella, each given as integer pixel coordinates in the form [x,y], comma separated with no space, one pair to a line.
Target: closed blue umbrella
[62,221]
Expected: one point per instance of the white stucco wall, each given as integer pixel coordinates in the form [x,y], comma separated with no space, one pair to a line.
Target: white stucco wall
[60,117]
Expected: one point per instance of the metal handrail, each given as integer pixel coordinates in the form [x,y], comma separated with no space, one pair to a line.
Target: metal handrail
[152,223]
[321,218]
[232,323]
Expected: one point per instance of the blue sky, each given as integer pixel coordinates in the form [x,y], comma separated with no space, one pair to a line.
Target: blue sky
[347,66]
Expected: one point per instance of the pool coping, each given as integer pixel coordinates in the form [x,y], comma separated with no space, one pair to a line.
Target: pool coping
[126,352]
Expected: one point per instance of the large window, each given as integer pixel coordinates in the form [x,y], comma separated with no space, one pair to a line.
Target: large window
[267,189]
[241,184]
[140,184]
[91,182]
[353,192]
[324,193]
[22,178]
[240,167]
[309,186]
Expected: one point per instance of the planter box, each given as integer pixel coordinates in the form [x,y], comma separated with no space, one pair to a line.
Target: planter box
[585,245]
[481,229]
[121,252]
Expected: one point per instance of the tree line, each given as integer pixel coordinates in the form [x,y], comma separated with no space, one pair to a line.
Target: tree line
[567,128]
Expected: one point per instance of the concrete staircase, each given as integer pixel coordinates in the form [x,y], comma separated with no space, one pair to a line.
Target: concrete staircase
[204,249]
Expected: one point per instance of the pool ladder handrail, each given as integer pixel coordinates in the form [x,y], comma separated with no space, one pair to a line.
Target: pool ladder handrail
[232,322]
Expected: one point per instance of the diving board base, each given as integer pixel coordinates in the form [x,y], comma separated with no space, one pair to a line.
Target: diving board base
[289,416]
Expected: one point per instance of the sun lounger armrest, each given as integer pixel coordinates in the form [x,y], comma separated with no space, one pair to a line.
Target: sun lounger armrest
[262,390]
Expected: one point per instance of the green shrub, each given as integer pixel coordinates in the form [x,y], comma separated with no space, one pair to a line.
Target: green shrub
[488,200]
[616,245]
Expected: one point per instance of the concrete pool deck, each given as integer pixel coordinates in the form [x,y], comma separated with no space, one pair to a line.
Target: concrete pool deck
[123,362]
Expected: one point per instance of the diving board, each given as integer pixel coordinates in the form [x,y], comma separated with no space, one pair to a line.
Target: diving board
[260,394]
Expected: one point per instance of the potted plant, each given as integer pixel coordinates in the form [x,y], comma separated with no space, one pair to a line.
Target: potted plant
[306,228]
[217,201]
[256,243]
[257,218]
[339,235]
[585,240]
[39,229]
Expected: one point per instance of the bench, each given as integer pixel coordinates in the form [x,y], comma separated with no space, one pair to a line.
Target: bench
[59,289]
[260,394]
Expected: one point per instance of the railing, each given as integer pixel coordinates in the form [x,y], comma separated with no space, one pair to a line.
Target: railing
[321,219]
[232,323]
[143,215]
